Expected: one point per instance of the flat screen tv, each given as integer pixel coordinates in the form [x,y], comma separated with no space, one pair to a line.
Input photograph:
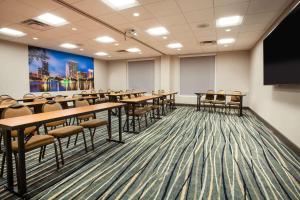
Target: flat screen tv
[282,52]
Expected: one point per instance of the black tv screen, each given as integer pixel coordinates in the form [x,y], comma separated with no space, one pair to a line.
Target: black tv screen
[282,52]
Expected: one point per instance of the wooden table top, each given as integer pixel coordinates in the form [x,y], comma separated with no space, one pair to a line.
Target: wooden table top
[125,93]
[32,98]
[31,120]
[31,104]
[166,93]
[95,93]
[226,94]
[140,99]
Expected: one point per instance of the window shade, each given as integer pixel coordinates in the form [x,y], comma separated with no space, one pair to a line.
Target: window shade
[141,75]
[197,74]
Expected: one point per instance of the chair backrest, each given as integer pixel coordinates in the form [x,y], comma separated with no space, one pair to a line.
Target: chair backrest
[125,97]
[59,98]
[100,90]
[77,96]
[81,102]
[5,96]
[83,92]
[93,91]
[29,95]
[221,95]
[8,102]
[236,98]
[16,111]
[46,94]
[210,95]
[51,106]
[39,99]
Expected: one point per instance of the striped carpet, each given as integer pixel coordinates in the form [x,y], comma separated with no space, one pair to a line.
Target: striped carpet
[185,155]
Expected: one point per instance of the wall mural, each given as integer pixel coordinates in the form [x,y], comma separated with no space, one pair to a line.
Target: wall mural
[51,70]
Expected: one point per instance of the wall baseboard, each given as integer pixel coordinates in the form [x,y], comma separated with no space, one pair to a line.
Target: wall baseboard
[277,133]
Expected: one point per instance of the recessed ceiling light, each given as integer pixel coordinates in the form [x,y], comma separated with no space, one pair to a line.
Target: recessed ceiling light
[226,41]
[174,45]
[165,37]
[133,50]
[81,49]
[74,29]
[68,46]
[35,38]
[11,32]
[105,39]
[121,4]
[101,53]
[51,19]
[228,30]
[157,31]
[229,21]
[117,44]
[136,14]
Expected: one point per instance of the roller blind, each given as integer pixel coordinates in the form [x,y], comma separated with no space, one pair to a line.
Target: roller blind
[141,75]
[197,74]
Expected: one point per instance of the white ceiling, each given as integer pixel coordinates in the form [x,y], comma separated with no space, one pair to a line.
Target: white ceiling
[180,17]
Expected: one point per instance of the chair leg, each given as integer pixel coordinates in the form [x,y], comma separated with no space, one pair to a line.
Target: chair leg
[61,152]
[41,152]
[69,139]
[1,135]
[56,156]
[76,139]
[44,150]
[2,164]
[146,120]
[139,123]
[92,137]
[85,146]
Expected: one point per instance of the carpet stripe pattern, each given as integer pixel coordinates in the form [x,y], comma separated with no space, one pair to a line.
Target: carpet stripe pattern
[185,155]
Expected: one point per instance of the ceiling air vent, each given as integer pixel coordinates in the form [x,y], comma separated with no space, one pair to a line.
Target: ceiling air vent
[34,24]
[122,51]
[208,42]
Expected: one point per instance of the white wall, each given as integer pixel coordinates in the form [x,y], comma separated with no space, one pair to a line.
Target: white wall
[278,105]
[14,71]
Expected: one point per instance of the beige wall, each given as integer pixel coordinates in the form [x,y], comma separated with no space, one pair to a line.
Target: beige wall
[231,73]
[278,105]
[14,71]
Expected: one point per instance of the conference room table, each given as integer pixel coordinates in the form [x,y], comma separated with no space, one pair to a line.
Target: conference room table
[165,95]
[133,102]
[38,104]
[20,123]
[200,94]
[31,99]
[114,97]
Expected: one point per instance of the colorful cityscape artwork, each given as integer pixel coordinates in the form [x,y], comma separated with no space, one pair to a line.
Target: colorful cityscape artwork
[51,70]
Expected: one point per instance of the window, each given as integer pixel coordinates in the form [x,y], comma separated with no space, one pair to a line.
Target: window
[197,74]
[141,75]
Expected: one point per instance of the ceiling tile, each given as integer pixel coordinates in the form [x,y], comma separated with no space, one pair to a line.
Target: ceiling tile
[163,8]
[189,5]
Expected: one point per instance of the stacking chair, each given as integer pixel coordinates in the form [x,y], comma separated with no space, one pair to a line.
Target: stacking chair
[8,102]
[46,94]
[89,121]
[83,92]
[220,99]
[139,113]
[29,95]
[77,96]
[40,99]
[209,98]
[5,96]
[235,101]
[59,98]
[61,132]
[102,96]
[32,140]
